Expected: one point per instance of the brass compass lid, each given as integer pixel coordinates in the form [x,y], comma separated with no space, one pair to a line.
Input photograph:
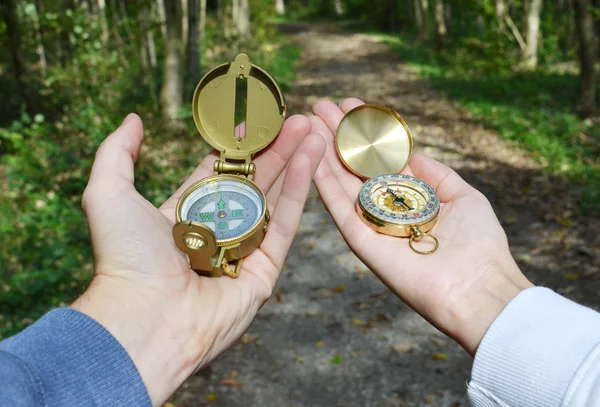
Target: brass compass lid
[373,140]
[214,105]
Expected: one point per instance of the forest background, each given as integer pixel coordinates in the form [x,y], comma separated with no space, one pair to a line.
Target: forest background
[70,70]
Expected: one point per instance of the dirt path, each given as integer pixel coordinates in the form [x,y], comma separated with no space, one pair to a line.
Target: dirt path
[327,338]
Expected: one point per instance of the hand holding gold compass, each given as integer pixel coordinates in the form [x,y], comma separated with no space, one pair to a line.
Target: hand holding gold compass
[170,320]
[461,287]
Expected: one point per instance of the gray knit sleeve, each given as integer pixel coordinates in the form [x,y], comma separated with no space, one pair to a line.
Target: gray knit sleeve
[68,359]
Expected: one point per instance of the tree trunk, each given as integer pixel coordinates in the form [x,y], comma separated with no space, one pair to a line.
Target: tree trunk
[202,18]
[280,7]
[588,53]
[440,23]
[533,31]
[339,8]
[422,17]
[148,46]
[161,17]
[184,21]
[235,15]
[500,12]
[220,10]
[171,94]
[243,19]
[151,48]
[480,20]
[392,18]
[14,42]
[193,44]
[40,50]
[103,22]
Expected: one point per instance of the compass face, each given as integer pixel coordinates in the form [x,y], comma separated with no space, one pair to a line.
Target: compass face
[229,206]
[399,199]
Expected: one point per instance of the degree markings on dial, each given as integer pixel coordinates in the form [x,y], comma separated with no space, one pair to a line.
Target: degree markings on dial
[423,199]
[241,185]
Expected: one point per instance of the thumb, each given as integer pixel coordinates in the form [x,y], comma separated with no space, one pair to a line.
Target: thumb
[115,158]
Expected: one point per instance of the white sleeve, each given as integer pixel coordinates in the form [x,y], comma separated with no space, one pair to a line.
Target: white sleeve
[543,350]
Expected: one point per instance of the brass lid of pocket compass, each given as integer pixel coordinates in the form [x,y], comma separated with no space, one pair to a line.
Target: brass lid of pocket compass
[224,217]
[374,142]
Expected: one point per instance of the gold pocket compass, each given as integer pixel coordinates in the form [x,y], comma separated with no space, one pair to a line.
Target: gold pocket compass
[375,144]
[223,218]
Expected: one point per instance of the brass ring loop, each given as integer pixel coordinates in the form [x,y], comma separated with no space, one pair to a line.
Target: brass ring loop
[228,271]
[437,244]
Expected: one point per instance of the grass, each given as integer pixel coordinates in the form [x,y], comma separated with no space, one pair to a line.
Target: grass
[532,109]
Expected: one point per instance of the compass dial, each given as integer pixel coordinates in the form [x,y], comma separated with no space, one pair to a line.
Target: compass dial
[230,206]
[399,199]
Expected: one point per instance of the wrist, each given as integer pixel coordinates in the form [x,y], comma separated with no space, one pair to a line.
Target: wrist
[495,286]
[142,319]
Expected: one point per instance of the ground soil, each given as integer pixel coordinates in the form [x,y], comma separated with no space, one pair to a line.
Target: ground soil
[332,335]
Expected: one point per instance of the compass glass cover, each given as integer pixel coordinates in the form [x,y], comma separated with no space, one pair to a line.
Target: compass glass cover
[399,199]
[229,207]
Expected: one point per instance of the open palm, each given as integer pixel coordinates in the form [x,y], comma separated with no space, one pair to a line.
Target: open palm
[448,287]
[137,262]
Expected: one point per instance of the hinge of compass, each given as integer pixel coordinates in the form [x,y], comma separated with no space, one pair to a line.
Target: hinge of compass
[246,169]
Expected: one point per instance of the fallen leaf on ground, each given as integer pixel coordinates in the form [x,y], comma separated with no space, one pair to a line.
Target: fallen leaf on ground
[439,356]
[336,360]
[358,322]
[232,383]
[359,270]
[324,292]
[403,347]
[572,276]
[320,344]
[211,397]
[247,338]
[338,289]
[380,318]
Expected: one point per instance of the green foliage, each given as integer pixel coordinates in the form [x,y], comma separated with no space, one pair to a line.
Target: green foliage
[44,248]
[45,253]
[532,109]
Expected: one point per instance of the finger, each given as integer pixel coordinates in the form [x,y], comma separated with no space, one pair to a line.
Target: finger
[349,104]
[330,113]
[349,182]
[314,147]
[286,217]
[447,183]
[270,162]
[332,192]
[113,165]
